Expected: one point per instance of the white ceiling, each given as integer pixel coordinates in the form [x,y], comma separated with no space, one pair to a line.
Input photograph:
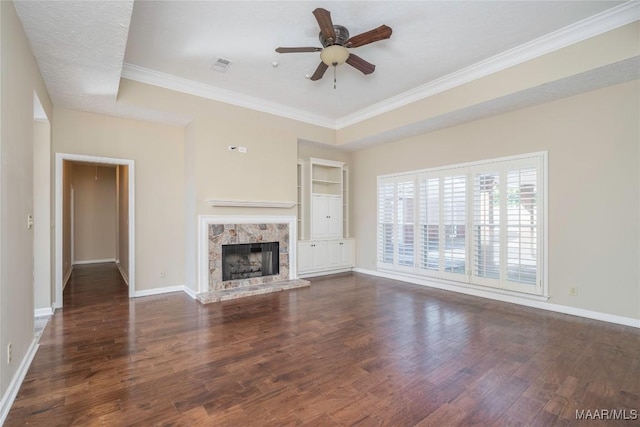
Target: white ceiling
[83,48]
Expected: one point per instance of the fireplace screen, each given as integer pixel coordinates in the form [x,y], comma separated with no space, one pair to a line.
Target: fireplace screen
[250,260]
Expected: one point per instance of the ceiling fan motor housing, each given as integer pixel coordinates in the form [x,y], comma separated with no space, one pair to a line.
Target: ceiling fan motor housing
[342,35]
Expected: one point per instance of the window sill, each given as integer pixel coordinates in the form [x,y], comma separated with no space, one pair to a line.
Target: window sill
[462,287]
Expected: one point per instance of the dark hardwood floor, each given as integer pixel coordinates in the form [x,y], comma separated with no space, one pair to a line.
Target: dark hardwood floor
[350,350]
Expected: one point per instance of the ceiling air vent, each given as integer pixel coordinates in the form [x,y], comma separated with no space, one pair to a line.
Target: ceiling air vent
[221,65]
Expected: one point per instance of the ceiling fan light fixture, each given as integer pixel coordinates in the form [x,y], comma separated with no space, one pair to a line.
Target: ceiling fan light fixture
[334,55]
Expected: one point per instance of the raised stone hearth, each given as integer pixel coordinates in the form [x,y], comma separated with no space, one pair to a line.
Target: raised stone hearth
[247,291]
[279,234]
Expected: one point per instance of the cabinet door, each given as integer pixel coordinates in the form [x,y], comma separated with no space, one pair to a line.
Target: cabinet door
[305,257]
[334,216]
[334,256]
[346,253]
[320,255]
[312,256]
[326,216]
[319,215]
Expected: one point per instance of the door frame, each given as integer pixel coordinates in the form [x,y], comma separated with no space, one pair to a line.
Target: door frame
[60,158]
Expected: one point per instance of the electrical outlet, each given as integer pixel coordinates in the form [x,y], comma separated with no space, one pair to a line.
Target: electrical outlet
[573,291]
[242,149]
[29,221]
[9,353]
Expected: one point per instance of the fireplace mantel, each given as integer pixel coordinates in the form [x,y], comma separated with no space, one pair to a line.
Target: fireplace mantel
[250,204]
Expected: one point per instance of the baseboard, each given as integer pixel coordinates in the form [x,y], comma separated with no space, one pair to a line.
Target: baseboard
[187,290]
[324,273]
[67,277]
[14,386]
[94,261]
[39,312]
[122,273]
[159,291]
[544,305]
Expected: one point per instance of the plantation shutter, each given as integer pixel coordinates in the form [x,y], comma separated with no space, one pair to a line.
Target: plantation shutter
[386,208]
[454,203]
[405,221]
[522,226]
[486,225]
[429,213]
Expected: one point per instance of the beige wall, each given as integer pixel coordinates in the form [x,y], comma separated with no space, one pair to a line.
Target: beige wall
[594,188]
[193,107]
[42,273]
[322,151]
[157,151]
[19,77]
[266,172]
[94,204]
[67,189]
[190,218]
[123,219]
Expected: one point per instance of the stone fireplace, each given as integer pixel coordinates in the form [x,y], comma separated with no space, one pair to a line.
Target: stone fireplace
[243,256]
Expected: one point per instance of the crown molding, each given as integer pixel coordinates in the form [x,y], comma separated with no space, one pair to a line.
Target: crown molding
[191,87]
[595,25]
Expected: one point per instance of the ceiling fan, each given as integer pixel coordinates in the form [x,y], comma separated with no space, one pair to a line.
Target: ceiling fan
[336,43]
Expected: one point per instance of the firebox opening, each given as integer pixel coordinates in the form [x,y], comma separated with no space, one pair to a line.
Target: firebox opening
[244,261]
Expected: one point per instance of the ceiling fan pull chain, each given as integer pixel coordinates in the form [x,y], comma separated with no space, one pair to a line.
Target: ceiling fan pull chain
[334,77]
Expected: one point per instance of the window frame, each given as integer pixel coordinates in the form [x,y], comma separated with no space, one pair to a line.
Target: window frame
[503,166]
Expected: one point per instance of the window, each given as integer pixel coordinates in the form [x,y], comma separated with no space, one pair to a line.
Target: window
[478,224]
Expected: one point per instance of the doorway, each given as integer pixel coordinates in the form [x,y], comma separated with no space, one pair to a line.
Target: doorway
[126,187]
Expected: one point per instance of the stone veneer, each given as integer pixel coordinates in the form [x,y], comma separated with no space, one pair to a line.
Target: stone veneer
[231,234]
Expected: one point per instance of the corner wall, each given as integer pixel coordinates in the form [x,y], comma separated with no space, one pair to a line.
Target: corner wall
[19,78]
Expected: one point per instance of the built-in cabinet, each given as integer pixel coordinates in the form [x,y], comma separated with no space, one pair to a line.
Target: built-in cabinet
[323,218]
[325,256]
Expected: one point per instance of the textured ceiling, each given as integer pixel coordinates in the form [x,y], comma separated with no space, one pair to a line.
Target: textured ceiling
[430,40]
[81,47]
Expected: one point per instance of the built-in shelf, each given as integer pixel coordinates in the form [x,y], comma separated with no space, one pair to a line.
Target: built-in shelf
[326,181]
[250,204]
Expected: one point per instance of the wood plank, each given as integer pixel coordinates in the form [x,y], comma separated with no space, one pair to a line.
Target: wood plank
[350,350]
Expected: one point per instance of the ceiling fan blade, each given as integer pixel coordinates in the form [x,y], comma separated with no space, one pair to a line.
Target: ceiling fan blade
[377,34]
[298,49]
[317,75]
[360,64]
[323,17]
